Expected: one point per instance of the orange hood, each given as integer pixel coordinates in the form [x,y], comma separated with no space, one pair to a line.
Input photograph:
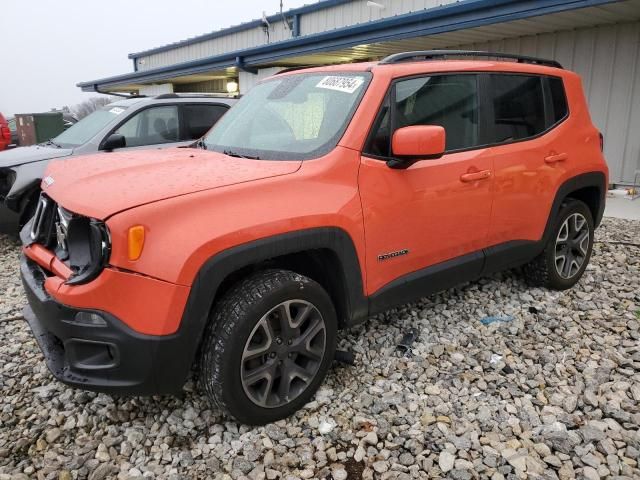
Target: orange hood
[104,184]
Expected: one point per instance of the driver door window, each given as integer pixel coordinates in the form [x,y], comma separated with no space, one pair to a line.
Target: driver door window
[152,126]
[450,101]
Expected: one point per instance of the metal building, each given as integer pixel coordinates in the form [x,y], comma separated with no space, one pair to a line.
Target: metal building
[599,39]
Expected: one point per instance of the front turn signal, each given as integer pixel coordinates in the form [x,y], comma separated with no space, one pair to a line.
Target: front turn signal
[136,242]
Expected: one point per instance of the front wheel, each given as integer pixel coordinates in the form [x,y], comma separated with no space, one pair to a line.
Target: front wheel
[568,250]
[269,345]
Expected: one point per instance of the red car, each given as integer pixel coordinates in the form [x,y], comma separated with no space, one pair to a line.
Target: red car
[5,133]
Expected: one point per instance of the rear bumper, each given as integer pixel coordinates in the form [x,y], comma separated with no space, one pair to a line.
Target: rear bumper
[111,358]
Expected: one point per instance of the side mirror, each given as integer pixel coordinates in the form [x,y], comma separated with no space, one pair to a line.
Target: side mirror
[113,141]
[418,142]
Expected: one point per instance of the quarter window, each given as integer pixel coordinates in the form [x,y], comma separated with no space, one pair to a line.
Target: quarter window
[558,99]
[518,107]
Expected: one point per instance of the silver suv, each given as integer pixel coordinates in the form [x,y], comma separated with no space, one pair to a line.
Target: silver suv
[168,120]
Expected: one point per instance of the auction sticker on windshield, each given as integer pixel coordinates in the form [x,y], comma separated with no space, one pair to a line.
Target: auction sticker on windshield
[116,110]
[341,84]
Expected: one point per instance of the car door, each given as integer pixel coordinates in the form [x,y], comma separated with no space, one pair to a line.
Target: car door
[154,126]
[435,211]
[531,156]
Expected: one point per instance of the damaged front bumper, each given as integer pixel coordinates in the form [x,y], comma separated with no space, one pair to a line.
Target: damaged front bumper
[103,354]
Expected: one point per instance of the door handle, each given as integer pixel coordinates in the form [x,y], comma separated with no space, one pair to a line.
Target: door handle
[473,176]
[556,157]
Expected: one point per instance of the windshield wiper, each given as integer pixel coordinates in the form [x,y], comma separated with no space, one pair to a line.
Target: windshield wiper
[51,142]
[199,144]
[231,153]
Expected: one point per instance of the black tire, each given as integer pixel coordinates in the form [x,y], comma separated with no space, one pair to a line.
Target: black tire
[544,270]
[238,318]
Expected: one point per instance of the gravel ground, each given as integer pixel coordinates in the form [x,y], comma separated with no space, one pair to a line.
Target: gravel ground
[554,393]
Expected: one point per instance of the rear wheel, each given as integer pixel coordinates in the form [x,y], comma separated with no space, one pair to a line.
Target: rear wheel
[568,249]
[269,345]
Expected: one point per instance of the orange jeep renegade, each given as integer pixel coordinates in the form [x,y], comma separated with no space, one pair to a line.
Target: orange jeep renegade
[324,196]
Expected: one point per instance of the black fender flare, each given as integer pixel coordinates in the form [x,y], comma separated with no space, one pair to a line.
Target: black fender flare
[590,179]
[217,268]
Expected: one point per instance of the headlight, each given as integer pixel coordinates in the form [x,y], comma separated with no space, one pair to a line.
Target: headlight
[88,245]
[82,243]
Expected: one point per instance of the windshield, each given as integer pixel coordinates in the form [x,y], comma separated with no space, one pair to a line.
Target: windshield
[81,132]
[294,117]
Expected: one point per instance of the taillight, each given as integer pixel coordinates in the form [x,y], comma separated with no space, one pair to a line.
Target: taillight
[601,142]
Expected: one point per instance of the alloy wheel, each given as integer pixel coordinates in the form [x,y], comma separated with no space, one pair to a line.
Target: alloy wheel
[572,245]
[283,353]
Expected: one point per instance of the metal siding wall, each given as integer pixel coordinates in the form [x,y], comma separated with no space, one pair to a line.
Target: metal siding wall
[156,89]
[608,60]
[228,43]
[320,21]
[358,12]
[208,86]
[249,80]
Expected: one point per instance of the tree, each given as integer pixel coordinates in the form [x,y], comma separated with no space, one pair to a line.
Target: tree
[90,105]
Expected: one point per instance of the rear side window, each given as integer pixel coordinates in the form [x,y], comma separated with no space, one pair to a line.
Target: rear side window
[518,107]
[200,118]
[558,99]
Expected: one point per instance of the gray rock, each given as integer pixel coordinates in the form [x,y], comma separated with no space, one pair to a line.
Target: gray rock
[101,472]
[445,411]
[446,461]
[590,473]
[406,459]
[242,464]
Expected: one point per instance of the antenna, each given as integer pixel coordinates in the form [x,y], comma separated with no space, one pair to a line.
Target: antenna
[265,25]
[284,20]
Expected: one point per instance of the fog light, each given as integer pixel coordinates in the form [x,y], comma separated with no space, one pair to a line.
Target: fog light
[90,319]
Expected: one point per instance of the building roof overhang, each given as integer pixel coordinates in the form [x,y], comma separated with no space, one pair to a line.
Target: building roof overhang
[453,24]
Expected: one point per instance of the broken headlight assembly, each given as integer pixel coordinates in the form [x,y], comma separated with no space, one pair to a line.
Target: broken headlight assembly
[82,243]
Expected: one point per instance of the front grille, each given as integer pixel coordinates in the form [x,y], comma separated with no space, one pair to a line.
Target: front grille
[42,224]
[49,226]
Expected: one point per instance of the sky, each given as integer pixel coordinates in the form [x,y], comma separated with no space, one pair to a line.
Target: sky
[50,46]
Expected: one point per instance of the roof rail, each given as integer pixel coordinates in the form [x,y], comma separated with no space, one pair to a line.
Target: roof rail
[424,55]
[293,69]
[195,95]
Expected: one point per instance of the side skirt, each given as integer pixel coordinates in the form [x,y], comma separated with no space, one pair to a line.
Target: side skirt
[427,281]
[445,275]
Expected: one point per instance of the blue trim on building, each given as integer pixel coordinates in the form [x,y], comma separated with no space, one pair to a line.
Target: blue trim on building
[321,5]
[462,15]
[296,25]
